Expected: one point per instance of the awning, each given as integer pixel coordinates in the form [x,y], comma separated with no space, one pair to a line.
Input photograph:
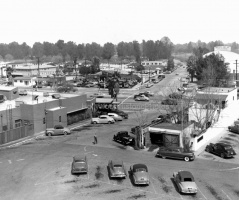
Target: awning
[161,130]
[104,100]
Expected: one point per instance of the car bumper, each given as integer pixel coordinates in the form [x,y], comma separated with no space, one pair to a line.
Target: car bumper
[78,171]
[141,183]
[118,176]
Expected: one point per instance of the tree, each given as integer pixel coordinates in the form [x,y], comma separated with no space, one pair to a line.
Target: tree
[108,51]
[137,52]
[9,57]
[37,49]
[212,70]
[170,64]
[191,66]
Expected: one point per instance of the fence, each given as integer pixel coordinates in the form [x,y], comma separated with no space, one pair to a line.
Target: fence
[17,133]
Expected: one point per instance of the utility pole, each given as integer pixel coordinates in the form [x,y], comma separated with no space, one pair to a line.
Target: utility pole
[236,69]
[38,71]
[75,61]
[149,74]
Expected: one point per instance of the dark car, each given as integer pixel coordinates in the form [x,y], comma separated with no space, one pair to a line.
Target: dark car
[120,113]
[124,138]
[175,152]
[234,129]
[56,96]
[160,119]
[169,102]
[221,149]
[79,165]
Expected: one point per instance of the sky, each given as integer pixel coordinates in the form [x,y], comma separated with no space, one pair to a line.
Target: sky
[101,21]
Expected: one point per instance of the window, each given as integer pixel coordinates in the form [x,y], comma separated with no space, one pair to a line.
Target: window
[20,81]
[15,81]
[59,118]
[44,120]
[18,123]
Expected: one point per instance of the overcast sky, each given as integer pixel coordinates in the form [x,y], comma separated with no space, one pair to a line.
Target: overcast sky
[101,21]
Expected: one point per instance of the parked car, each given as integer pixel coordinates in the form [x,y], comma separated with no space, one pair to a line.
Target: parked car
[115,116]
[175,152]
[139,174]
[102,119]
[57,130]
[116,169]
[169,102]
[98,95]
[56,96]
[221,149]
[23,92]
[149,85]
[141,98]
[89,84]
[148,94]
[121,113]
[185,182]
[124,138]
[234,128]
[160,119]
[79,165]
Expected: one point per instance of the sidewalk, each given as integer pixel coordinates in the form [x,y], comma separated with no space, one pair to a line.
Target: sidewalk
[227,118]
[40,134]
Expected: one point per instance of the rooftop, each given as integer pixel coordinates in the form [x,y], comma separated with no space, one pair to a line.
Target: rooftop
[170,126]
[28,99]
[217,90]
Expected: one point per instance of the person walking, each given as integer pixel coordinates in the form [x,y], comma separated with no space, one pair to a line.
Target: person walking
[95,139]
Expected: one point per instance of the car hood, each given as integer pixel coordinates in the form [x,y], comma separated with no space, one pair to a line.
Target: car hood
[141,176]
[187,185]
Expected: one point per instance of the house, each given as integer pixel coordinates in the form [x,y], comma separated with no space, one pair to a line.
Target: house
[24,81]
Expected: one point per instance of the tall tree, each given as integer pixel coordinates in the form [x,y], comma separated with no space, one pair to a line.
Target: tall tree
[108,51]
[137,52]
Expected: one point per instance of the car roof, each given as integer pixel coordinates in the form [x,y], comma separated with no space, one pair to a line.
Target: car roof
[104,116]
[185,174]
[137,166]
[112,113]
[78,158]
[123,132]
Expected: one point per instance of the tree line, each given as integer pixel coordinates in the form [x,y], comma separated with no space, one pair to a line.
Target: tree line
[62,51]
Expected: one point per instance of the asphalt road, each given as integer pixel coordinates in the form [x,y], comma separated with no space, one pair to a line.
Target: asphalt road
[40,169]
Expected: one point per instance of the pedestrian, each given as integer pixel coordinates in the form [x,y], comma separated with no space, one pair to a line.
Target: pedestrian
[95,139]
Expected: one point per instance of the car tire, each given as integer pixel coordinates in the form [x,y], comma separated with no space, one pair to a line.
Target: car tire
[186,159]
[222,155]
[163,157]
[65,133]
[49,134]
[94,122]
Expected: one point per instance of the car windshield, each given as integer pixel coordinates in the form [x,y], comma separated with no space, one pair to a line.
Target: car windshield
[140,170]
[228,148]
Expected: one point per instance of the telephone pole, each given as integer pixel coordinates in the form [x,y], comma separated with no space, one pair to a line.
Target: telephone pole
[236,69]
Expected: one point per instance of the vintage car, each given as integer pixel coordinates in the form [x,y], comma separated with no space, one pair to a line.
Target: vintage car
[124,138]
[221,149]
[185,182]
[102,119]
[56,96]
[160,119]
[115,116]
[175,152]
[57,130]
[116,169]
[234,128]
[141,98]
[139,174]
[79,165]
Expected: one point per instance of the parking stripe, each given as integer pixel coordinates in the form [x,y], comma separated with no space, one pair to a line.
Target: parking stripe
[154,188]
[226,195]
[202,193]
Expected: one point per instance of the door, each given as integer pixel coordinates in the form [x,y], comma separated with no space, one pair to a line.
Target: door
[103,120]
[171,140]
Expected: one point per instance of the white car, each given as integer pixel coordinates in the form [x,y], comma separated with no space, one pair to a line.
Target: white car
[141,98]
[102,119]
[115,116]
